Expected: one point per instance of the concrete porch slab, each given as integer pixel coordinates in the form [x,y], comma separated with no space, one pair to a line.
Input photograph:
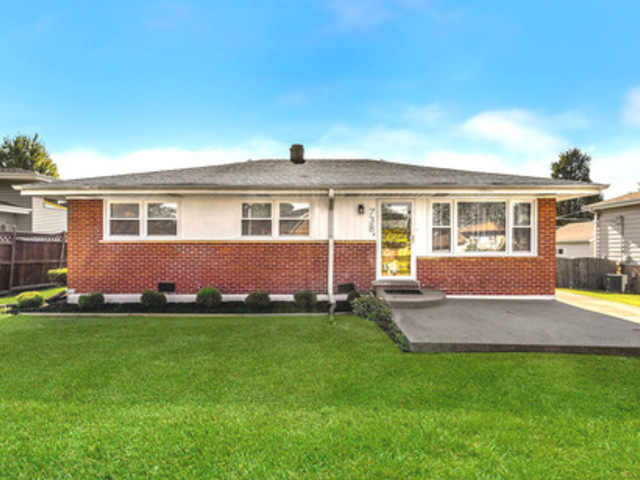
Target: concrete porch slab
[459,325]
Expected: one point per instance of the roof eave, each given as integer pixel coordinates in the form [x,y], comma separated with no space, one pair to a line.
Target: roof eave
[561,192]
[15,210]
[606,205]
[27,177]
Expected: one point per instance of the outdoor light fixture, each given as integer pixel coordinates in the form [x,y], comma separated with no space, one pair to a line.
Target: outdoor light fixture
[361,209]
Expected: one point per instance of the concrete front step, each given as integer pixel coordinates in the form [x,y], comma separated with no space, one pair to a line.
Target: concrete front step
[395,284]
[403,298]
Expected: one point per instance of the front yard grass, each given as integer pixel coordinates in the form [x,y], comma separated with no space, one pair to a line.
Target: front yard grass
[299,397]
[628,298]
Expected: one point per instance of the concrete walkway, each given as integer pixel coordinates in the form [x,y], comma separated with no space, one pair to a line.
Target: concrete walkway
[459,325]
[607,307]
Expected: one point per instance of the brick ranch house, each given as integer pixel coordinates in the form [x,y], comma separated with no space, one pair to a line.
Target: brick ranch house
[291,224]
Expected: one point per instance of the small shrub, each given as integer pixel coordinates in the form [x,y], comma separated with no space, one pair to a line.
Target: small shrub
[58,276]
[306,299]
[152,300]
[30,300]
[209,297]
[372,308]
[257,301]
[91,302]
[352,295]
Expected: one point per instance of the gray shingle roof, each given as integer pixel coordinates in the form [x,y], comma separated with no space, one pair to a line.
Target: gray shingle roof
[311,174]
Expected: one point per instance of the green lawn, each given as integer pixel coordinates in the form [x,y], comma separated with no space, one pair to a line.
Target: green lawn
[628,298]
[48,293]
[300,397]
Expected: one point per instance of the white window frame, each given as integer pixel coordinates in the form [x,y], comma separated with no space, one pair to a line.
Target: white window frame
[242,219]
[142,205]
[275,220]
[514,226]
[509,205]
[308,219]
[451,229]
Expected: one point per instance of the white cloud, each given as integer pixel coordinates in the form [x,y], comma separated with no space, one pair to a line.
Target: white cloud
[631,109]
[515,131]
[88,163]
[483,162]
[620,169]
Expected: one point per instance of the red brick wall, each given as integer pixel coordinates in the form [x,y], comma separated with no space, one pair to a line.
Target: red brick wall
[238,267]
[355,262]
[284,267]
[499,275]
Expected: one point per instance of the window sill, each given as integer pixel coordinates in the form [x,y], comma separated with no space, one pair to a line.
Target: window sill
[209,240]
[477,255]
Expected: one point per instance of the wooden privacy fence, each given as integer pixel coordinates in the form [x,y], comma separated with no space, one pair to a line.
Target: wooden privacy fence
[26,257]
[583,273]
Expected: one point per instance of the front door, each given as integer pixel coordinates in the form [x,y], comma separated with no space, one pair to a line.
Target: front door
[395,255]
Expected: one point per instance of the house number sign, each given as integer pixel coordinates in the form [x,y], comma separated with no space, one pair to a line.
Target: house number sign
[372,222]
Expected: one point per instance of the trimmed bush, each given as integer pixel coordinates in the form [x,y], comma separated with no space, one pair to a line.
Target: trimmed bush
[58,276]
[209,297]
[257,301]
[30,300]
[306,299]
[91,302]
[153,300]
[353,294]
[372,308]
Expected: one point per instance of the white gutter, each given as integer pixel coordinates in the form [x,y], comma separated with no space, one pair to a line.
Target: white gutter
[331,255]
[88,192]
[16,210]
[606,206]
[596,230]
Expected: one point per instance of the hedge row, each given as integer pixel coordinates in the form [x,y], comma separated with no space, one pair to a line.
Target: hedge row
[209,299]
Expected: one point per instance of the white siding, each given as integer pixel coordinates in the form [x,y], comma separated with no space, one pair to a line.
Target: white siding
[7,221]
[421,221]
[8,194]
[219,218]
[22,222]
[574,250]
[351,225]
[47,218]
[206,218]
[620,241]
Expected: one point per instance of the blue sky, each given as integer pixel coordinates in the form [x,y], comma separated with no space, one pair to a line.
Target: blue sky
[114,87]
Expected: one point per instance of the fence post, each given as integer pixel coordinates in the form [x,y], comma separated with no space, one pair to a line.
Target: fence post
[13,259]
[63,243]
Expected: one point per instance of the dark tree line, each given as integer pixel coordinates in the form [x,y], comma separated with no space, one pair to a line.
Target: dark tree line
[573,165]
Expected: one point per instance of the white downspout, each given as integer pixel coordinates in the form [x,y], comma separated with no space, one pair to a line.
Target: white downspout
[596,232]
[330,231]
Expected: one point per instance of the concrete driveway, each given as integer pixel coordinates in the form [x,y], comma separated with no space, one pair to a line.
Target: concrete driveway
[606,307]
[515,326]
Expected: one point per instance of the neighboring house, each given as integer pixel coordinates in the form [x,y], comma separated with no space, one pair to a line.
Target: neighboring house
[28,214]
[618,234]
[282,226]
[576,240]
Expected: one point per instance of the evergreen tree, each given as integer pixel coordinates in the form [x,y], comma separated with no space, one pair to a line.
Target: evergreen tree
[573,165]
[27,153]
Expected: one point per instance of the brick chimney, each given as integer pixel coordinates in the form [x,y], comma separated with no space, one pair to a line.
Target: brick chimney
[297,153]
